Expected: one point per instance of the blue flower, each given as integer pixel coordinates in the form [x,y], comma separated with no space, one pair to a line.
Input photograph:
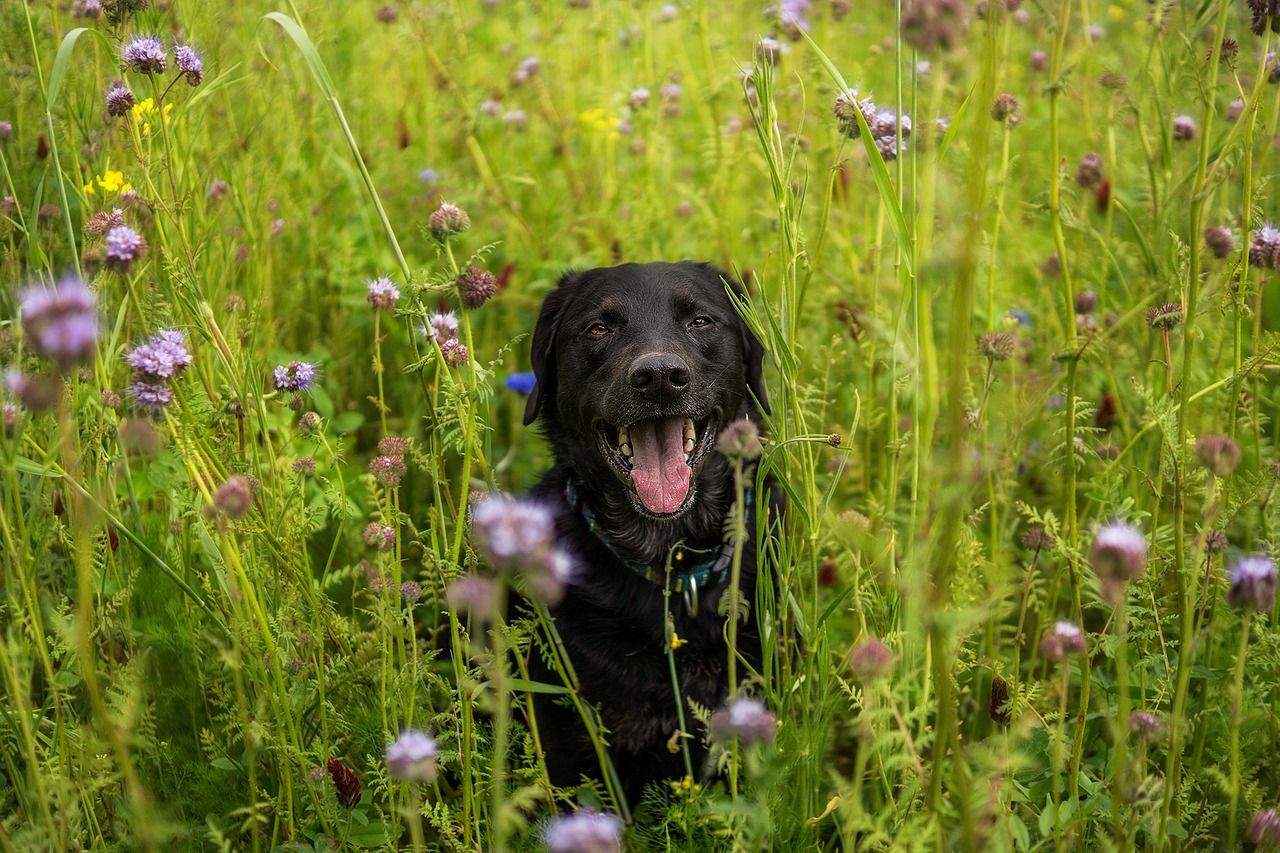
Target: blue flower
[521,383]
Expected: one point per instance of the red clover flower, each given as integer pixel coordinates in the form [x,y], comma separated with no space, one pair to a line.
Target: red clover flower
[346,783]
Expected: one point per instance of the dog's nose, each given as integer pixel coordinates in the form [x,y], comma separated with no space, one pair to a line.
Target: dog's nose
[659,377]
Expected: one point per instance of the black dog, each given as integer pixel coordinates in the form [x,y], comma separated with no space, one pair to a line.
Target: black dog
[638,369]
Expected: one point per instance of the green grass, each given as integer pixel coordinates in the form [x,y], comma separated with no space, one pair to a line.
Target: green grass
[172,678]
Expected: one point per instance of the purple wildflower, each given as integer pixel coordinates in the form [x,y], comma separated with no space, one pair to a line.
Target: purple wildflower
[145,55]
[234,497]
[382,294]
[119,99]
[124,246]
[102,222]
[380,537]
[1253,584]
[1119,552]
[297,376]
[149,397]
[163,356]
[510,531]
[1184,128]
[447,220]
[443,327]
[411,591]
[1064,641]
[387,470]
[190,63]
[745,720]
[8,417]
[1264,249]
[1264,829]
[62,321]
[476,287]
[472,594]
[6,131]
[587,831]
[1145,726]
[393,445]
[871,659]
[412,758]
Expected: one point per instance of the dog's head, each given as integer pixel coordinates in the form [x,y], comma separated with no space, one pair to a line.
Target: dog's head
[638,367]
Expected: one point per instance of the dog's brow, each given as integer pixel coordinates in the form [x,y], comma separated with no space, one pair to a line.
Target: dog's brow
[611,307]
[685,300]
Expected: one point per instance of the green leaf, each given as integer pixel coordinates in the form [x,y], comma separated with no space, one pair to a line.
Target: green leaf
[347,422]
[224,763]
[30,466]
[308,50]
[373,835]
[524,685]
[1048,817]
[62,62]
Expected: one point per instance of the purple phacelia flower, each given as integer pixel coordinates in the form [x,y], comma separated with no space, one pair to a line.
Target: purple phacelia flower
[119,99]
[103,221]
[476,286]
[411,591]
[382,294]
[1264,248]
[1264,829]
[448,220]
[124,247]
[455,353]
[190,63]
[61,321]
[234,497]
[412,758]
[1253,584]
[380,537]
[145,55]
[9,417]
[150,397]
[164,356]
[1064,641]
[474,595]
[297,376]
[1184,128]
[1119,551]
[587,831]
[516,118]
[510,532]
[1145,726]
[429,176]
[442,326]
[387,470]
[871,659]
[745,720]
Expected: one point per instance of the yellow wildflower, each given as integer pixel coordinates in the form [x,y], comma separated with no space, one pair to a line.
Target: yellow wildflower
[110,181]
[677,641]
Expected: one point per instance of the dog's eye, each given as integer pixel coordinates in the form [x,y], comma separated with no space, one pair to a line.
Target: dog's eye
[598,329]
[699,322]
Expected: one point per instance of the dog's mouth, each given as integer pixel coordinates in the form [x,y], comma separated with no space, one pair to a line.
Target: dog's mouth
[660,458]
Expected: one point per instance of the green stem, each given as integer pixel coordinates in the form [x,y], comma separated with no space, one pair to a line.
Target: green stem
[1236,703]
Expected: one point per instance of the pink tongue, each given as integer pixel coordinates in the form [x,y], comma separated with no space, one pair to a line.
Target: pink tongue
[660,473]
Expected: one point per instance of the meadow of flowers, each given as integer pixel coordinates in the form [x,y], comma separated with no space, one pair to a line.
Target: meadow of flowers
[269,275]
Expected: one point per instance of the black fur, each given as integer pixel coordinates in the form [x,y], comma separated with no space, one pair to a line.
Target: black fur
[611,619]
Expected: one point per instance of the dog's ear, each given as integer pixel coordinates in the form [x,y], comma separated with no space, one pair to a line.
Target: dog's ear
[542,353]
[752,349]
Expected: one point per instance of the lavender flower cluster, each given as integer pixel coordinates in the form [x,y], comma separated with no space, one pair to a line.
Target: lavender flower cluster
[61,321]
[147,55]
[443,326]
[883,124]
[158,361]
[517,537]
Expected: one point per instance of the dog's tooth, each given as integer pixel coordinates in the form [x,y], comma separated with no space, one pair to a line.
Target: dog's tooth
[624,436]
[687,457]
[688,445]
[626,449]
[690,431]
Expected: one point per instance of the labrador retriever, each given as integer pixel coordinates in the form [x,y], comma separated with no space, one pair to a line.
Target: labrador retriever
[638,369]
